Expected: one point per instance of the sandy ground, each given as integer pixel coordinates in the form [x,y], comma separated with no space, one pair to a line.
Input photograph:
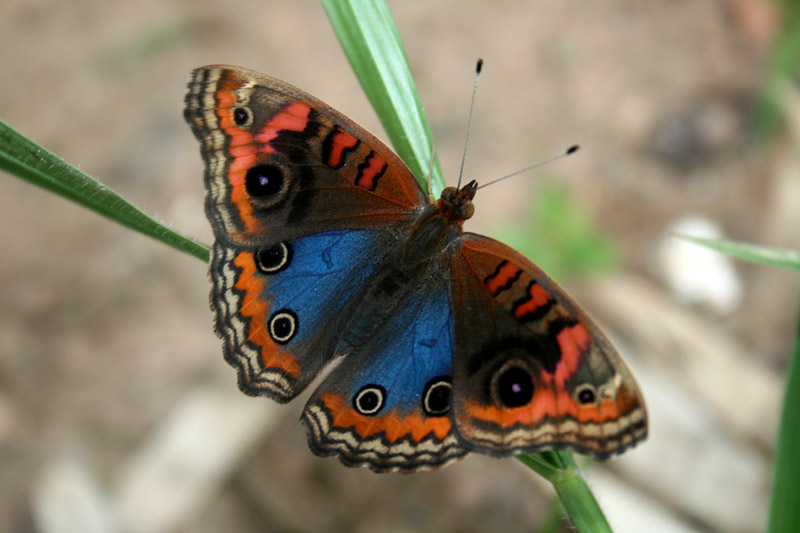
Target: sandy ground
[105,334]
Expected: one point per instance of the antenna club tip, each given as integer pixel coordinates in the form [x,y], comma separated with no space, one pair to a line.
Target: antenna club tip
[572,149]
[479,66]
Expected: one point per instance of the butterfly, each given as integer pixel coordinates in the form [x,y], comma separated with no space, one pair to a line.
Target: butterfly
[327,251]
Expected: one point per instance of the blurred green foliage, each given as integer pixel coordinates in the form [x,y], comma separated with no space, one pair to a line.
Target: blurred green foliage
[783,69]
[560,237]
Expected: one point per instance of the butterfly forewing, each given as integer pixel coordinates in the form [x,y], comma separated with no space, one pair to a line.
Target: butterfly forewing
[281,164]
[532,371]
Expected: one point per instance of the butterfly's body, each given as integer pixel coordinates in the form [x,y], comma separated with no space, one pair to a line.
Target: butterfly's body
[326,246]
[410,262]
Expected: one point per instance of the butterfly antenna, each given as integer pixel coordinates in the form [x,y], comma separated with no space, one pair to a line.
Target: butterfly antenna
[569,151]
[478,68]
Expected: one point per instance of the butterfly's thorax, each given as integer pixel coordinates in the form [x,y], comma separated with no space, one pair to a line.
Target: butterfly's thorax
[436,227]
[430,235]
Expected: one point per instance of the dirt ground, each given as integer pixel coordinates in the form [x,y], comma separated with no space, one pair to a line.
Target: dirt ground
[106,338]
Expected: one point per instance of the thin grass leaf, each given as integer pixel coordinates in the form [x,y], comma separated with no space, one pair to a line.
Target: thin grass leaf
[559,468]
[579,502]
[784,513]
[27,160]
[762,255]
[371,42]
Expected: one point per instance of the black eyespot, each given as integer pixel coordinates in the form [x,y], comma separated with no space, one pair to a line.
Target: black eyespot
[370,399]
[514,387]
[586,394]
[274,259]
[241,116]
[263,181]
[283,326]
[436,398]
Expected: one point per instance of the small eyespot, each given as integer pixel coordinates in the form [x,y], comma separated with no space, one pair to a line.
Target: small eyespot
[585,394]
[436,398]
[369,400]
[263,181]
[242,116]
[275,258]
[513,386]
[283,326]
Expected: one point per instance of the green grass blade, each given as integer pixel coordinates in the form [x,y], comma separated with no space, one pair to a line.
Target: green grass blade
[372,44]
[25,159]
[579,502]
[784,513]
[560,469]
[762,255]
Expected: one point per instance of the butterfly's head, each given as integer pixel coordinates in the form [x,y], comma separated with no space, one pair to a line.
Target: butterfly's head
[456,204]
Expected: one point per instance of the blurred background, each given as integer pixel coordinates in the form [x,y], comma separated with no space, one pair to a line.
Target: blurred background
[117,411]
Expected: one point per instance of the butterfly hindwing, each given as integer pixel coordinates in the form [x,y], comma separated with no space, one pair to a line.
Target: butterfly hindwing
[279,309]
[387,405]
[280,164]
[531,370]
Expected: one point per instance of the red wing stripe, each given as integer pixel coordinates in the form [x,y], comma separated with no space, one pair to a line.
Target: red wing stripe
[294,117]
[503,277]
[336,147]
[534,305]
[574,341]
[370,171]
